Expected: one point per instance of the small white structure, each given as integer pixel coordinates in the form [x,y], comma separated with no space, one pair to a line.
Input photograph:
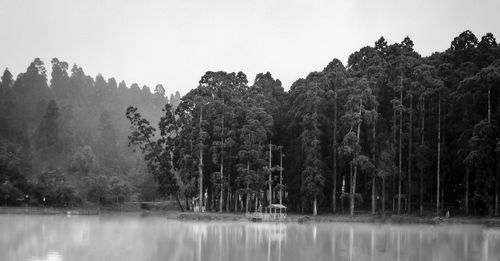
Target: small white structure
[275,212]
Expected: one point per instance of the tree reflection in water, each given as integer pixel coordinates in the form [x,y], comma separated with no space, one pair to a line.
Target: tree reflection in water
[154,238]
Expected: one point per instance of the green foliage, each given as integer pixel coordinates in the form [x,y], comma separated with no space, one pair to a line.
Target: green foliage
[55,127]
[119,189]
[83,161]
[98,189]
[52,186]
[386,162]
[157,152]
[13,184]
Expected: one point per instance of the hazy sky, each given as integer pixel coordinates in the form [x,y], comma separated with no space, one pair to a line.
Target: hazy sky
[175,42]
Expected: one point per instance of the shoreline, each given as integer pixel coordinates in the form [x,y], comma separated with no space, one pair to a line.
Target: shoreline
[233,217]
[361,218]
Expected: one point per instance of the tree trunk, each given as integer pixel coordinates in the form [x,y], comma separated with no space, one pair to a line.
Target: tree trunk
[281,176]
[374,200]
[301,194]
[178,201]
[497,168]
[421,168]
[394,133]
[315,206]
[221,203]
[496,190]
[421,191]
[248,188]
[466,191]
[383,196]
[441,190]
[410,143]
[400,145]
[236,199]
[228,199]
[353,184]
[351,171]
[439,155]
[334,177]
[186,201]
[270,181]
[247,199]
[200,165]
[256,203]
[394,119]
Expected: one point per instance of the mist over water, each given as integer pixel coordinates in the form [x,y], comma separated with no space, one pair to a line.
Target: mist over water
[155,238]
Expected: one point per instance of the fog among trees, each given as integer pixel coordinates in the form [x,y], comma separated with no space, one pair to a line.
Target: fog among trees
[66,140]
[388,125]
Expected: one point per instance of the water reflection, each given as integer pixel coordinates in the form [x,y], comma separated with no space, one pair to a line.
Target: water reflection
[51,256]
[134,238]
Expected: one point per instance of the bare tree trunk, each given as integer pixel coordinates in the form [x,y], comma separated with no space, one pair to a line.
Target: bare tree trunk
[281,176]
[467,191]
[187,202]
[178,201]
[421,191]
[229,191]
[393,178]
[439,154]
[496,192]
[496,178]
[351,190]
[270,181]
[248,189]
[301,194]
[441,190]
[200,165]
[400,146]
[247,199]
[374,200]
[410,143]
[236,199]
[421,168]
[383,196]
[353,184]
[315,206]
[256,203]
[221,203]
[334,178]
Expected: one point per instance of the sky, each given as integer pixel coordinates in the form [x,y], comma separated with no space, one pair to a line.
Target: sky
[174,42]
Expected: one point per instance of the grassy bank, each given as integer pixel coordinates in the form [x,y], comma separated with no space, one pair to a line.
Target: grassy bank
[232,217]
[363,218]
[48,211]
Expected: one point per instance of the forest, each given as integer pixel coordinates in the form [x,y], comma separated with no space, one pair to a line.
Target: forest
[388,131]
[64,143]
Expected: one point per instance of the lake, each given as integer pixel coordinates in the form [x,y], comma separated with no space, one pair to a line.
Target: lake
[130,237]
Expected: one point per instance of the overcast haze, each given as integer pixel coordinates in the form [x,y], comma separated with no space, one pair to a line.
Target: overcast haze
[175,42]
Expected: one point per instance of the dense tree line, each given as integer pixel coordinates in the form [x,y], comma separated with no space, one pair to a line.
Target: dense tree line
[389,128]
[64,142]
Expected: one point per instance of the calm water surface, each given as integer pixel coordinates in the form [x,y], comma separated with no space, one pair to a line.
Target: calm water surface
[31,237]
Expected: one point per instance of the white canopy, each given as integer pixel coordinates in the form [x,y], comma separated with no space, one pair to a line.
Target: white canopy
[277,206]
